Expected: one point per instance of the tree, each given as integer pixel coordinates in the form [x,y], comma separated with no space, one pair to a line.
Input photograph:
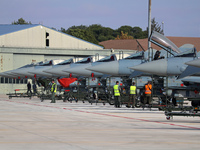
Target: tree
[123,36]
[83,27]
[21,21]
[126,29]
[138,33]
[83,34]
[155,26]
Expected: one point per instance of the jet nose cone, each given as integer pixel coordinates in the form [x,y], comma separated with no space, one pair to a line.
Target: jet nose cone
[111,68]
[158,67]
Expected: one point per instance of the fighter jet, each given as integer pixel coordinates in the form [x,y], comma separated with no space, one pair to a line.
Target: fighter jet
[39,70]
[18,73]
[119,67]
[57,69]
[173,65]
[81,69]
[9,74]
[23,71]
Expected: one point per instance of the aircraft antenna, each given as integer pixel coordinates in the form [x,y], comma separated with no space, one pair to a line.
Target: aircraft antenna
[140,45]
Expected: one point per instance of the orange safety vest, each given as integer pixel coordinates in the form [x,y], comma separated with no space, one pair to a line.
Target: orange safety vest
[148,88]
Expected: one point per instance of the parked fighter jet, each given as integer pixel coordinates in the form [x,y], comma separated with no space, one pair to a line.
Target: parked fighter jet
[57,69]
[121,67]
[9,74]
[23,71]
[39,70]
[81,69]
[171,66]
[19,72]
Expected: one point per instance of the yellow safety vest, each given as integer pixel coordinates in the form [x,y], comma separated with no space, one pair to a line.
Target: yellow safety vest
[116,90]
[132,89]
[54,87]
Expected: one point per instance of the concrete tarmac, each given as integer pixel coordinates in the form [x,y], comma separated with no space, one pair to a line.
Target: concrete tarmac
[34,125]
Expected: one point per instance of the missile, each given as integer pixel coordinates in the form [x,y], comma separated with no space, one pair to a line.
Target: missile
[195,63]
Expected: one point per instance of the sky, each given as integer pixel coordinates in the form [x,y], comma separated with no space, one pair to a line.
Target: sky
[180,18]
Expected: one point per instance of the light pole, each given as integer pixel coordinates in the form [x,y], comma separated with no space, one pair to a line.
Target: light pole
[149,29]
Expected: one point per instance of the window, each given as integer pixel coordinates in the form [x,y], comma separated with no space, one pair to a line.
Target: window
[2,79]
[10,80]
[6,80]
[47,42]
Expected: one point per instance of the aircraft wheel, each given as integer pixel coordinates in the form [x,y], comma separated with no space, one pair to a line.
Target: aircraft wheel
[195,103]
[168,117]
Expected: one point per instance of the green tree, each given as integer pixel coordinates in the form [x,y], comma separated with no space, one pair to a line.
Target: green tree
[83,34]
[135,32]
[21,21]
[138,33]
[155,26]
[123,36]
[96,29]
[82,27]
[126,29]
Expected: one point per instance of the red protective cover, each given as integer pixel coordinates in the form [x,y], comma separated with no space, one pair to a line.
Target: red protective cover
[65,82]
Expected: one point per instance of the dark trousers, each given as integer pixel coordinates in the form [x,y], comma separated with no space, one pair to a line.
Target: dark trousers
[147,99]
[29,90]
[132,100]
[53,98]
[117,101]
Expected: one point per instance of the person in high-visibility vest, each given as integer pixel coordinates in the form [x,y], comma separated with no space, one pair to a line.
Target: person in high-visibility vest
[53,91]
[132,95]
[147,92]
[116,89]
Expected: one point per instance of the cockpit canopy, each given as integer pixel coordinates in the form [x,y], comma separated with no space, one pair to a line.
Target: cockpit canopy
[138,55]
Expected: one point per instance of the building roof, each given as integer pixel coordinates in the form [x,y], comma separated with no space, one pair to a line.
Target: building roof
[131,44]
[6,29]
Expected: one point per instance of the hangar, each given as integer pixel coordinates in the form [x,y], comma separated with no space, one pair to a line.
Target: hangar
[25,44]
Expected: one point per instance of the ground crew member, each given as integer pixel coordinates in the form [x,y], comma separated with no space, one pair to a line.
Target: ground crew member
[132,95]
[53,91]
[34,89]
[148,89]
[29,88]
[116,89]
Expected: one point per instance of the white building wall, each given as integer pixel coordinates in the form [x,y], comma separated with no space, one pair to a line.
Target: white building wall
[6,63]
[9,88]
[35,37]
[20,60]
[32,37]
